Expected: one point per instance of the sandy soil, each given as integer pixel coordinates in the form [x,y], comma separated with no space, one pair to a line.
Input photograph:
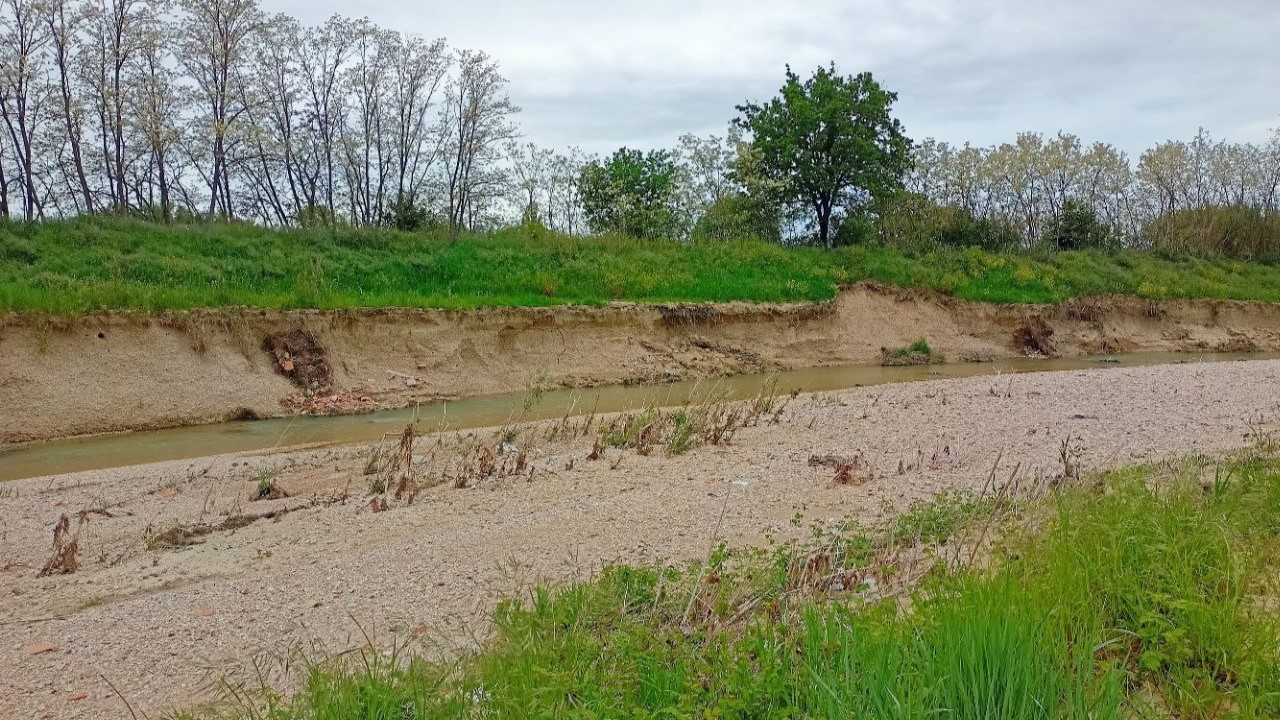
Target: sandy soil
[154,621]
[116,372]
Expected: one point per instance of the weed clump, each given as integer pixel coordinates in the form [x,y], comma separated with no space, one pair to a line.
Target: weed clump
[268,489]
[706,420]
[917,353]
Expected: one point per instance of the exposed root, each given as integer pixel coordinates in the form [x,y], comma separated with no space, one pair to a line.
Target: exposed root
[300,358]
[1035,337]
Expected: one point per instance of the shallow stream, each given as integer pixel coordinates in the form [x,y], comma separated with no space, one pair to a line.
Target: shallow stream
[119,450]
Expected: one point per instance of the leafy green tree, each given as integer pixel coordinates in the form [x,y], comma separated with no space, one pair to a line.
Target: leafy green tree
[830,143]
[633,192]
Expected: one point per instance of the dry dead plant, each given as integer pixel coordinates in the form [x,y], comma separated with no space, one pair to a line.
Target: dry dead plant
[65,546]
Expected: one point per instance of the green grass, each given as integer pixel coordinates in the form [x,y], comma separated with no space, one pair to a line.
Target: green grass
[1147,595]
[102,263]
[917,353]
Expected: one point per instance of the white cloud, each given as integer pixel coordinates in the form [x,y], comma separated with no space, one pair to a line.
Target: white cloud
[1131,72]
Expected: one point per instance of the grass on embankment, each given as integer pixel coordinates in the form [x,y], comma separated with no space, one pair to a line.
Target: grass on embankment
[99,263]
[1146,595]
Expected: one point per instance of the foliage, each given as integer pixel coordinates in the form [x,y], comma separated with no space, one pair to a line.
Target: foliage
[407,214]
[1076,227]
[1248,233]
[830,143]
[312,217]
[1031,181]
[632,193]
[1151,598]
[917,353]
[913,223]
[739,216]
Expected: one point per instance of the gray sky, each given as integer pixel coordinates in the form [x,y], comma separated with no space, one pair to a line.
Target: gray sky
[1131,72]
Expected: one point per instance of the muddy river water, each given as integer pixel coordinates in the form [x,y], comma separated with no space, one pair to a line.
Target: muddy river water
[107,451]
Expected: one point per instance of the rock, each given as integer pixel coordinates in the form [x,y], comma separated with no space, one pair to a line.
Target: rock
[168,493]
[39,648]
[78,697]
[410,382]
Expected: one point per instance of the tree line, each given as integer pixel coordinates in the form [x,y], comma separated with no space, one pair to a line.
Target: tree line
[1035,181]
[216,109]
[826,162]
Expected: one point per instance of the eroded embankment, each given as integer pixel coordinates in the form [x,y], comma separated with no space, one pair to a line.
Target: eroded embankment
[129,371]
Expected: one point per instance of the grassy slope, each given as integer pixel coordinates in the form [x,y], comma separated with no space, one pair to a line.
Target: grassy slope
[1131,602]
[91,264]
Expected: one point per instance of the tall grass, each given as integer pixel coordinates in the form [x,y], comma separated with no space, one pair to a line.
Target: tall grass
[1152,597]
[102,263]
[1236,231]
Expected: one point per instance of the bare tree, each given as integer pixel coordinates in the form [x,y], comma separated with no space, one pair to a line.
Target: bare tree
[24,91]
[480,120]
[65,20]
[155,103]
[214,45]
[321,56]
[418,70]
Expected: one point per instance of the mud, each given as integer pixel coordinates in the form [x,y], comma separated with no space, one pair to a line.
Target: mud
[130,371]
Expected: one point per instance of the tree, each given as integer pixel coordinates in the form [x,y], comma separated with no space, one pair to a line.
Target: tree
[23,95]
[156,105]
[633,193]
[832,144]
[478,116]
[64,21]
[214,40]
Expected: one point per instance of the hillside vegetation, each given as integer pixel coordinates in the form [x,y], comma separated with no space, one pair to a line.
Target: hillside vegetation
[98,263]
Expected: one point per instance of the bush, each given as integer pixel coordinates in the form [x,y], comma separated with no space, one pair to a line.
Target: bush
[408,215]
[915,224]
[739,217]
[1246,233]
[318,216]
[1077,227]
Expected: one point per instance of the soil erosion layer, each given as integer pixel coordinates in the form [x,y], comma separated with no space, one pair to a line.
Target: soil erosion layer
[130,371]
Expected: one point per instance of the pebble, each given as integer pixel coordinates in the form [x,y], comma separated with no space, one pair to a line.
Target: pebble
[39,648]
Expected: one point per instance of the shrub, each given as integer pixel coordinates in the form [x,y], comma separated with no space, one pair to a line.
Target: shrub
[913,223]
[739,217]
[408,215]
[1077,227]
[1243,232]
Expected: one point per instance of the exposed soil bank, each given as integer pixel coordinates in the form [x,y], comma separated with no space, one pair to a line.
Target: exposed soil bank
[180,569]
[115,372]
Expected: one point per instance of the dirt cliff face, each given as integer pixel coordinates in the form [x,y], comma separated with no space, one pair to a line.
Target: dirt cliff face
[129,371]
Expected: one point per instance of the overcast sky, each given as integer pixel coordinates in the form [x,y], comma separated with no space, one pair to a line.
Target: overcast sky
[602,74]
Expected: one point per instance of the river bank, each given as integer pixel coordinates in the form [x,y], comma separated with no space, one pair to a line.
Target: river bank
[134,371]
[180,569]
